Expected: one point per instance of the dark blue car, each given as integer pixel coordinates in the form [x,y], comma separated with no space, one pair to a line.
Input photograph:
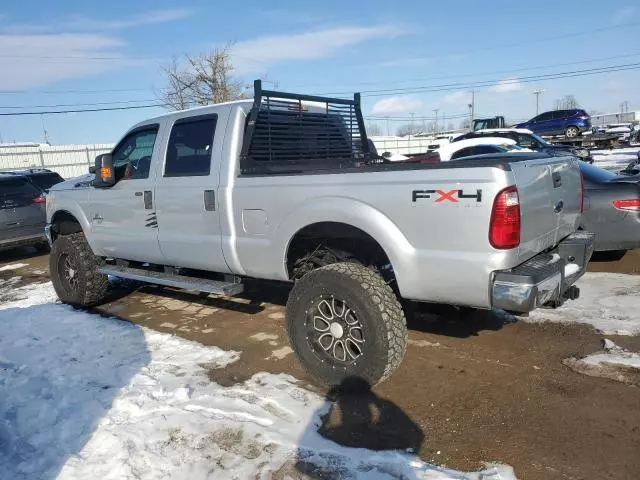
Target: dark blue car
[570,122]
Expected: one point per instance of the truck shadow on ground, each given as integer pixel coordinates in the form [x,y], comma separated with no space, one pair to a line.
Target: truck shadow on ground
[20,253]
[459,322]
[437,319]
[356,418]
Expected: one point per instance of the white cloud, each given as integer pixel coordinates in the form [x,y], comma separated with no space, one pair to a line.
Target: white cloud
[623,15]
[257,55]
[82,23]
[34,60]
[405,62]
[507,85]
[458,98]
[392,105]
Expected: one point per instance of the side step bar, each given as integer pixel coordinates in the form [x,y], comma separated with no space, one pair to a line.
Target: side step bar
[173,280]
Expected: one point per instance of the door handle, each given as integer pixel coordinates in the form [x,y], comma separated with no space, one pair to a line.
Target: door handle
[97,218]
[210,200]
[148,200]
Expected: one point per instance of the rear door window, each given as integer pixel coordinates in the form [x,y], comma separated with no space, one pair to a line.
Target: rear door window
[17,192]
[190,146]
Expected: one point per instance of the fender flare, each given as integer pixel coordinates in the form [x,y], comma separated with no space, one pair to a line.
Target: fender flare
[350,212]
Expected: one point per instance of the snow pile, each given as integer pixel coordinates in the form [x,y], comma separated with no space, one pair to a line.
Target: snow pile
[614,362]
[613,354]
[608,301]
[85,396]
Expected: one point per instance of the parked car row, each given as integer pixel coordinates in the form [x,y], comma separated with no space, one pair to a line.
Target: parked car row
[22,207]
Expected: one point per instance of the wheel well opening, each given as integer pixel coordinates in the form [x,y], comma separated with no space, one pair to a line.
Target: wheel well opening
[324,243]
[63,223]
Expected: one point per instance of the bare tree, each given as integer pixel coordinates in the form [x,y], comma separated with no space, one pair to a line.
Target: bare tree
[407,129]
[466,123]
[201,80]
[373,129]
[451,126]
[567,102]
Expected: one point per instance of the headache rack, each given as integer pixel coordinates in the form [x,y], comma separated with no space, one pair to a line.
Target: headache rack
[292,133]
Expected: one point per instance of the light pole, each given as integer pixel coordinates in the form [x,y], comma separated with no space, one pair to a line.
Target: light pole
[436,126]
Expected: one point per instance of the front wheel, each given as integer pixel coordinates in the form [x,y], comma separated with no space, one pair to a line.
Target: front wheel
[572,131]
[74,272]
[345,324]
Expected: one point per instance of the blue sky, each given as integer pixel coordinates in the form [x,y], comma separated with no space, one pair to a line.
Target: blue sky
[79,52]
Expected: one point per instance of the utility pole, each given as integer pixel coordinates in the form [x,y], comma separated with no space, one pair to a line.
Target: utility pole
[411,128]
[537,93]
[472,105]
[44,131]
[436,127]
[388,126]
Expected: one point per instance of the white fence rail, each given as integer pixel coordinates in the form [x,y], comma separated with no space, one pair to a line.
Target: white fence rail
[68,160]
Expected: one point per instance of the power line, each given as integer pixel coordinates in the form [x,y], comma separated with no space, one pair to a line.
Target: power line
[114,102]
[495,72]
[54,112]
[489,83]
[377,93]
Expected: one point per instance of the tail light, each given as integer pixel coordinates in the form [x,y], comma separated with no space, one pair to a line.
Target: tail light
[504,227]
[583,117]
[581,193]
[40,199]
[628,204]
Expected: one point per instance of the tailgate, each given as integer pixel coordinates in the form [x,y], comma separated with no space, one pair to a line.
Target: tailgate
[550,198]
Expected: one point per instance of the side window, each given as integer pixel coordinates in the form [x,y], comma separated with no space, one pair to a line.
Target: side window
[132,156]
[465,152]
[190,145]
[526,141]
[544,117]
[482,149]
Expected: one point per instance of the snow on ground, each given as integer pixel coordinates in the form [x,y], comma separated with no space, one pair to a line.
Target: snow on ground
[613,362]
[613,354]
[87,396]
[608,301]
[13,266]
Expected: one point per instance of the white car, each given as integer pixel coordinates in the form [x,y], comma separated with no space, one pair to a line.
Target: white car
[478,146]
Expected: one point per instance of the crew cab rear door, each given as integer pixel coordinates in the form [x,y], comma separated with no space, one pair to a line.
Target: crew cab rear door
[550,199]
[187,193]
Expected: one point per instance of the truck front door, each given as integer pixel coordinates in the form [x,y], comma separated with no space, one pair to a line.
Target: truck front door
[187,195]
[123,217]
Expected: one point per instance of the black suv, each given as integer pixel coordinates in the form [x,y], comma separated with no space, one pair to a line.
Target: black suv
[22,207]
[531,141]
[41,177]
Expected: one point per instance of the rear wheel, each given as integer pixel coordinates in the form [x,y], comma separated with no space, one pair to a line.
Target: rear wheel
[345,323]
[74,271]
[572,131]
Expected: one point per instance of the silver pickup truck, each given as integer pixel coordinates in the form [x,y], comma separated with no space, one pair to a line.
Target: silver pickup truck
[285,187]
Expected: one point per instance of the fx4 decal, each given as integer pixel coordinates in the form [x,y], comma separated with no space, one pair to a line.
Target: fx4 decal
[445,195]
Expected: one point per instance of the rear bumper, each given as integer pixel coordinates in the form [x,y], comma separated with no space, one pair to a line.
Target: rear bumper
[545,279]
